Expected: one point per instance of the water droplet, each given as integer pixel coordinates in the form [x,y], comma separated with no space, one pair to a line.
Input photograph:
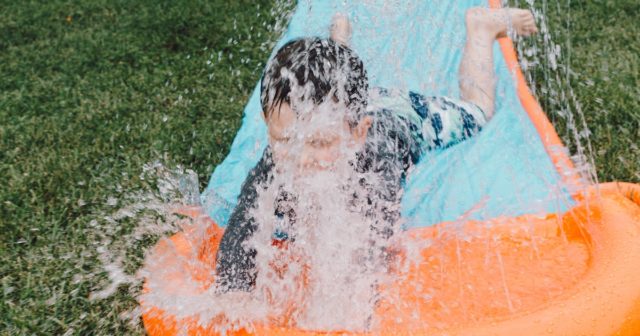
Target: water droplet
[112,201]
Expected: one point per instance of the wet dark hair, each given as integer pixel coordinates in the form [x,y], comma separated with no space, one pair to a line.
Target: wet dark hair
[320,67]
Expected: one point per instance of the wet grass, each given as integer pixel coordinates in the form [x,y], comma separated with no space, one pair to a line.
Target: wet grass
[90,91]
[599,46]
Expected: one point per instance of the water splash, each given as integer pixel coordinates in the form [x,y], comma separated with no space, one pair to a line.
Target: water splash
[120,239]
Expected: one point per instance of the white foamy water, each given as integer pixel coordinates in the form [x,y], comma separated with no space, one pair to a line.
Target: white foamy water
[333,261]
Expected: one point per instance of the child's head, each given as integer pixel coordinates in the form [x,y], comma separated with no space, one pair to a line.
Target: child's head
[314,97]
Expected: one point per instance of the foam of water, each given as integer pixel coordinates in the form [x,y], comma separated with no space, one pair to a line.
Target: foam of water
[333,250]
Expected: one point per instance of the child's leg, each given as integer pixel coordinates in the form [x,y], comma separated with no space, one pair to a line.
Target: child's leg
[477,79]
[341,29]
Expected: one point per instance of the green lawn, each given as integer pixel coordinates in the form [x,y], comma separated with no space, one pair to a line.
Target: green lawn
[91,91]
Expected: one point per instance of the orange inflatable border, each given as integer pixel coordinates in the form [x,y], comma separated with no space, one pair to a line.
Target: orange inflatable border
[606,301]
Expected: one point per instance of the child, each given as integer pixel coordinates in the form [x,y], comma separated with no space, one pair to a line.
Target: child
[316,102]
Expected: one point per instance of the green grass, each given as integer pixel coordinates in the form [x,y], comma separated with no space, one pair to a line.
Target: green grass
[90,91]
[600,48]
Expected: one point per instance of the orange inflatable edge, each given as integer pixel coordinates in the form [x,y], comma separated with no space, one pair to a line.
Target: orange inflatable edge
[605,302]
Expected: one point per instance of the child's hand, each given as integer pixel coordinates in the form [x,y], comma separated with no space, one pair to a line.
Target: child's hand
[341,29]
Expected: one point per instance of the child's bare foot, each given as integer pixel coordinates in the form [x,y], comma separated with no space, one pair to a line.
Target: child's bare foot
[496,22]
[341,29]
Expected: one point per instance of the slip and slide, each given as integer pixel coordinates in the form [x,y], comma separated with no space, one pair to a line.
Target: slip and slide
[586,238]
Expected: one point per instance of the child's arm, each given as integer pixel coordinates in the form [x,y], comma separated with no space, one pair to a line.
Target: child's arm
[235,264]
